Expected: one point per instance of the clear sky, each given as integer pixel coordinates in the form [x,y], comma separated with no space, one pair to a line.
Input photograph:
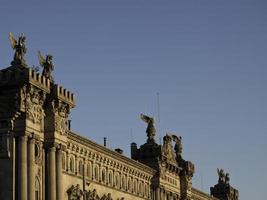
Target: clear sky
[205,58]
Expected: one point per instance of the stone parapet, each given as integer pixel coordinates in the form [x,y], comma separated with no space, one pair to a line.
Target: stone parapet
[18,75]
[64,95]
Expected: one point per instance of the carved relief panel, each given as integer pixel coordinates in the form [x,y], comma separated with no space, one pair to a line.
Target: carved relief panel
[32,100]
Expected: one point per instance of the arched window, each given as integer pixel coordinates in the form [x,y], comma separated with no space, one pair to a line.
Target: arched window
[37,189]
[123,183]
[63,161]
[96,171]
[135,186]
[145,189]
[117,180]
[140,189]
[129,185]
[110,177]
[80,167]
[103,175]
[72,164]
[89,170]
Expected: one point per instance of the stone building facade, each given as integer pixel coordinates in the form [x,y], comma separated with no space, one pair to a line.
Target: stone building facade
[42,159]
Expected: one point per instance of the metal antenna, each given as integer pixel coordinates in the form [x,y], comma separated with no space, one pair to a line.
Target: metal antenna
[201,179]
[158,108]
[131,135]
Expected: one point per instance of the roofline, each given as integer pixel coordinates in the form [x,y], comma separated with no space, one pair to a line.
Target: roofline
[112,153]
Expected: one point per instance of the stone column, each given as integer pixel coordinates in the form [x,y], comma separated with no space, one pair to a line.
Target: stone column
[161,194]
[51,173]
[59,174]
[22,168]
[158,194]
[31,186]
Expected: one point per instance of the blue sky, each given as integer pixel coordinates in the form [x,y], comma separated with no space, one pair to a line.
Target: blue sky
[205,58]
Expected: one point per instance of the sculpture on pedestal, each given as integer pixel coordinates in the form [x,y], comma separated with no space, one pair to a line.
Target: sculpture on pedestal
[20,49]
[178,148]
[47,64]
[151,130]
[75,193]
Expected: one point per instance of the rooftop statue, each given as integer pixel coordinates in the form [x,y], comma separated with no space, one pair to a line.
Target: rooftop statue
[167,148]
[221,175]
[19,47]
[47,64]
[227,179]
[151,130]
[178,148]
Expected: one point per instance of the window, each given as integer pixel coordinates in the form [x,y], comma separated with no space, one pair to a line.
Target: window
[140,189]
[96,173]
[103,176]
[37,189]
[89,170]
[129,184]
[81,167]
[123,183]
[117,181]
[63,162]
[72,164]
[110,177]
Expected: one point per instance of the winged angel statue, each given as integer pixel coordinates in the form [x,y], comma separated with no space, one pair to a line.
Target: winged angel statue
[47,64]
[20,48]
[151,130]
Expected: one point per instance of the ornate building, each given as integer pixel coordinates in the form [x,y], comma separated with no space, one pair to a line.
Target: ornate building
[42,159]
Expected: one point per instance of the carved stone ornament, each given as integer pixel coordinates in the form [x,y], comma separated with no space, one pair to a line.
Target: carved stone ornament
[167,148]
[38,153]
[92,195]
[62,111]
[106,197]
[74,192]
[33,103]
[189,168]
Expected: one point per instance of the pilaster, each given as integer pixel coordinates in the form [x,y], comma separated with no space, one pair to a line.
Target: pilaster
[51,176]
[22,168]
[59,173]
[31,169]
